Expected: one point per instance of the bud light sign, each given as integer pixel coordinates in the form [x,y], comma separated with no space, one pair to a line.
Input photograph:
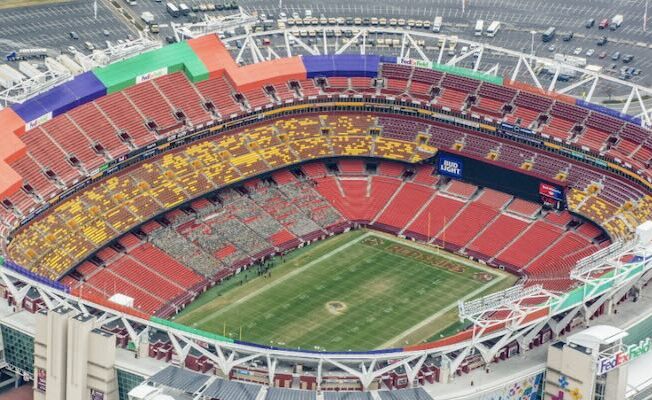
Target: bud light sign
[450,166]
[632,352]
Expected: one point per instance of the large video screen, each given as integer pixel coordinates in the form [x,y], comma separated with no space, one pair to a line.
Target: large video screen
[504,180]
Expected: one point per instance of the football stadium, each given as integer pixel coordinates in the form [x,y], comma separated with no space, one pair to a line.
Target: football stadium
[252,216]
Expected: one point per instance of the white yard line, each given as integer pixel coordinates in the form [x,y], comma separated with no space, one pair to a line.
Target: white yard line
[283,279]
[438,314]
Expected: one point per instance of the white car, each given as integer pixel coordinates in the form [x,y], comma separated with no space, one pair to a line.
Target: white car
[577,51]
[590,52]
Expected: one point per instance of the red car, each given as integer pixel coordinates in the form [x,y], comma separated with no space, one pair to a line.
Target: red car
[604,24]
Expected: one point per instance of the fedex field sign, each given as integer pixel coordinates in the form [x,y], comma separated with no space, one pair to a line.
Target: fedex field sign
[450,166]
[151,75]
[632,352]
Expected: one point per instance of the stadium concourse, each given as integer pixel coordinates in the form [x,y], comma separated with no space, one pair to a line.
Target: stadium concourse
[149,180]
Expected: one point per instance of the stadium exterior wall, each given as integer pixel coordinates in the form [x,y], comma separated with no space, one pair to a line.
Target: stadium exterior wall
[12,149]
[468,73]
[349,65]
[213,54]
[608,111]
[461,71]
[60,99]
[152,64]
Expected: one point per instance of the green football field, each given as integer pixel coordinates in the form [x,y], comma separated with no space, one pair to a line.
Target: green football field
[356,291]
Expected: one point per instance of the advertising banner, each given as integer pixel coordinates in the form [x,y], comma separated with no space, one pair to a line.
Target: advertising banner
[551,191]
[450,166]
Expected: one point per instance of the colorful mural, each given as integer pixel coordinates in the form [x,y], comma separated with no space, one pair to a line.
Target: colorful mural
[530,388]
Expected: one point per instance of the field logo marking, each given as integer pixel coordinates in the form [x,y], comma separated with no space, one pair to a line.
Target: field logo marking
[336,307]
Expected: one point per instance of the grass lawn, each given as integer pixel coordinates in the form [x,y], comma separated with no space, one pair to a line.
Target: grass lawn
[356,291]
[26,3]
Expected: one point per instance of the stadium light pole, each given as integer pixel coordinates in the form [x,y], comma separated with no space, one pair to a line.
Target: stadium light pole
[532,42]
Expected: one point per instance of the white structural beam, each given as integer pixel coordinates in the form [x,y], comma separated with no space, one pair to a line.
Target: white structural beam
[493,70]
[349,42]
[456,59]
[416,46]
[410,38]
[288,48]
[641,103]
[478,59]
[441,51]
[303,45]
[576,84]
[532,74]
[625,108]
[212,24]
[553,81]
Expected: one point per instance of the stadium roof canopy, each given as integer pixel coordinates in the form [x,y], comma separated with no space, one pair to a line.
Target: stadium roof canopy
[598,335]
[181,379]
[223,389]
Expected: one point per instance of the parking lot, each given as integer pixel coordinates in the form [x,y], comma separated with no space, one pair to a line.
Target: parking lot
[518,19]
[48,26]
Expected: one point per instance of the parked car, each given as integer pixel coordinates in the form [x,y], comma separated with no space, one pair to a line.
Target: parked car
[615,56]
[568,37]
[577,51]
[602,54]
[589,23]
[590,52]
[602,41]
[628,58]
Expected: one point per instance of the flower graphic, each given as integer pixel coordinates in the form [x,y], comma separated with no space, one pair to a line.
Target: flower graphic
[576,394]
[563,382]
[515,390]
[560,396]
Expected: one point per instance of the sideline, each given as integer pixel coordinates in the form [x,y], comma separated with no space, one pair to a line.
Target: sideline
[438,314]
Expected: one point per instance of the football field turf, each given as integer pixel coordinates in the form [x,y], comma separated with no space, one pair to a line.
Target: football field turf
[356,291]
